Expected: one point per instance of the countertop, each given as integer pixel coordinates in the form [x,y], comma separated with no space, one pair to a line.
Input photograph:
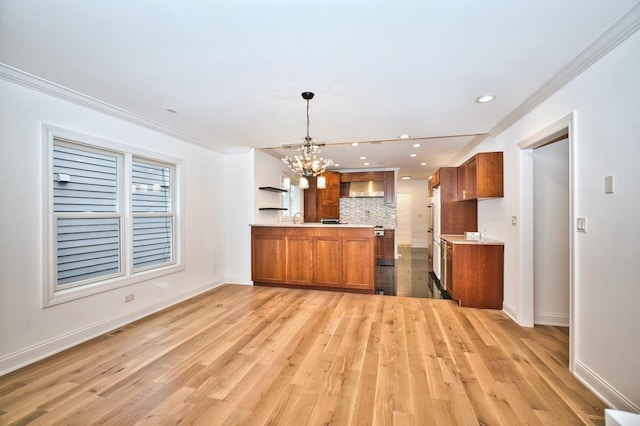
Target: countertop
[311,225]
[460,239]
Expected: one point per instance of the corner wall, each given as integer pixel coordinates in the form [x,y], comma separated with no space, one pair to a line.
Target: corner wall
[605,101]
[29,332]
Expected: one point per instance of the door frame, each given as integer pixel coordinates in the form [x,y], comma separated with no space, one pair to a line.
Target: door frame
[525,226]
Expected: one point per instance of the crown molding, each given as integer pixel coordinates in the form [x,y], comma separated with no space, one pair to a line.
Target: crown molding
[34,82]
[621,30]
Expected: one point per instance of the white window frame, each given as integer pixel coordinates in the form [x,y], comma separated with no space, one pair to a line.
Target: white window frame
[285,201]
[54,294]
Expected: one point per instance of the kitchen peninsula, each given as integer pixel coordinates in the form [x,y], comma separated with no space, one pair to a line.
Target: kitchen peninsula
[313,255]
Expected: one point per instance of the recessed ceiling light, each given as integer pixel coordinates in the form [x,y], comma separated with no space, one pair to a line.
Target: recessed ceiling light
[366,164]
[354,144]
[363,158]
[405,177]
[416,145]
[336,165]
[413,155]
[171,110]
[423,164]
[484,99]
[404,136]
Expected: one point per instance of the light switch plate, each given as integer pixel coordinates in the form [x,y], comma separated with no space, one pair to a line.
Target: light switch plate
[581,224]
[608,184]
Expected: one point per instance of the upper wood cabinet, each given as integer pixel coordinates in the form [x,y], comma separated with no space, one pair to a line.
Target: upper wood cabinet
[481,177]
[388,178]
[361,176]
[322,203]
[455,217]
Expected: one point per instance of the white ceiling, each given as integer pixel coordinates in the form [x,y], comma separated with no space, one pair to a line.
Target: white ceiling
[234,70]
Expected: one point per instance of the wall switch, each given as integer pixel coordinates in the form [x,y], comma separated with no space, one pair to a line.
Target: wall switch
[128,298]
[608,184]
[581,224]
[514,220]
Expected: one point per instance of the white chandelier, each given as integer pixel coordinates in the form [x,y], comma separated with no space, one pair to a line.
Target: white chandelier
[307,163]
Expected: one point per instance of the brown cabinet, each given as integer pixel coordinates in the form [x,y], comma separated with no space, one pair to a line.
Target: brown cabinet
[268,248]
[322,203]
[481,177]
[455,217]
[474,273]
[357,269]
[328,261]
[386,247]
[388,179]
[299,249]
[323,257]
[361,176]
[389,189]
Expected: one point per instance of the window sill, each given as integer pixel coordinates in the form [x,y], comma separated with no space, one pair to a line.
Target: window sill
[70,294]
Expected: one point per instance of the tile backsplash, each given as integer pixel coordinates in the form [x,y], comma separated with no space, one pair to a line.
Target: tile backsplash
[367,211]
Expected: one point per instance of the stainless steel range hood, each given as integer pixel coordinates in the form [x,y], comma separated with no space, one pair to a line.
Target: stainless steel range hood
[372,188]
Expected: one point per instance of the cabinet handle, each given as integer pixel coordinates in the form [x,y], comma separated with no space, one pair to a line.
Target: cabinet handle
[464,194]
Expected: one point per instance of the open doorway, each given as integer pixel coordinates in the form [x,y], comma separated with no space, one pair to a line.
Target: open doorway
[551,234]
[405,224]
[528,232]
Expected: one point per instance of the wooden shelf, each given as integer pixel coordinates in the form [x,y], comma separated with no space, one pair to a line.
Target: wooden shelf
[272,208]
[271,189]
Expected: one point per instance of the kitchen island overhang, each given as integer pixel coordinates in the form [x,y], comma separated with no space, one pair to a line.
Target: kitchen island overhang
[338,257]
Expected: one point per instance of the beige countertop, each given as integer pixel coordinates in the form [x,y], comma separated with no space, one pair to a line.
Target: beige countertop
[460,239]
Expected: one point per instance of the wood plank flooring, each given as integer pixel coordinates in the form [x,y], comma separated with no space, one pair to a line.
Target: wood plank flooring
[260,355]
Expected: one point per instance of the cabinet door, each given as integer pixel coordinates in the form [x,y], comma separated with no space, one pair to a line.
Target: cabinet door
[489,175]
[366,176]
[358,264]
[268,264]
[328,261]
[471,179]
[299,264]
[389,189]
[389,244]
[448,271]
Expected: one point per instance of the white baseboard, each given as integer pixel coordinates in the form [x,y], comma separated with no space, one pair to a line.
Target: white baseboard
[510,311]
[603,390]
[548,318]
[50,347]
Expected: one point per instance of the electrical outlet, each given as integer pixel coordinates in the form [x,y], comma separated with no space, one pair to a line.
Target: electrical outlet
[128,298]
[514,220]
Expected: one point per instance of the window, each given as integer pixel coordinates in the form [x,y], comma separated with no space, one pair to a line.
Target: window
[291,198]
[112,216]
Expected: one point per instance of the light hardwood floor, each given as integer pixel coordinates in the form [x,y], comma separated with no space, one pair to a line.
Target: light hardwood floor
[259,355]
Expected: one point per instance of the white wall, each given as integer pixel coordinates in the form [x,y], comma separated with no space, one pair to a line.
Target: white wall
[29,332]
[419,189]
[238,207]
[551,234]
[605,100]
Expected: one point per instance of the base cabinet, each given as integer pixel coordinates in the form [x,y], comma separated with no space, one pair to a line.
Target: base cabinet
[386,247]
[313,257]
[474,274]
